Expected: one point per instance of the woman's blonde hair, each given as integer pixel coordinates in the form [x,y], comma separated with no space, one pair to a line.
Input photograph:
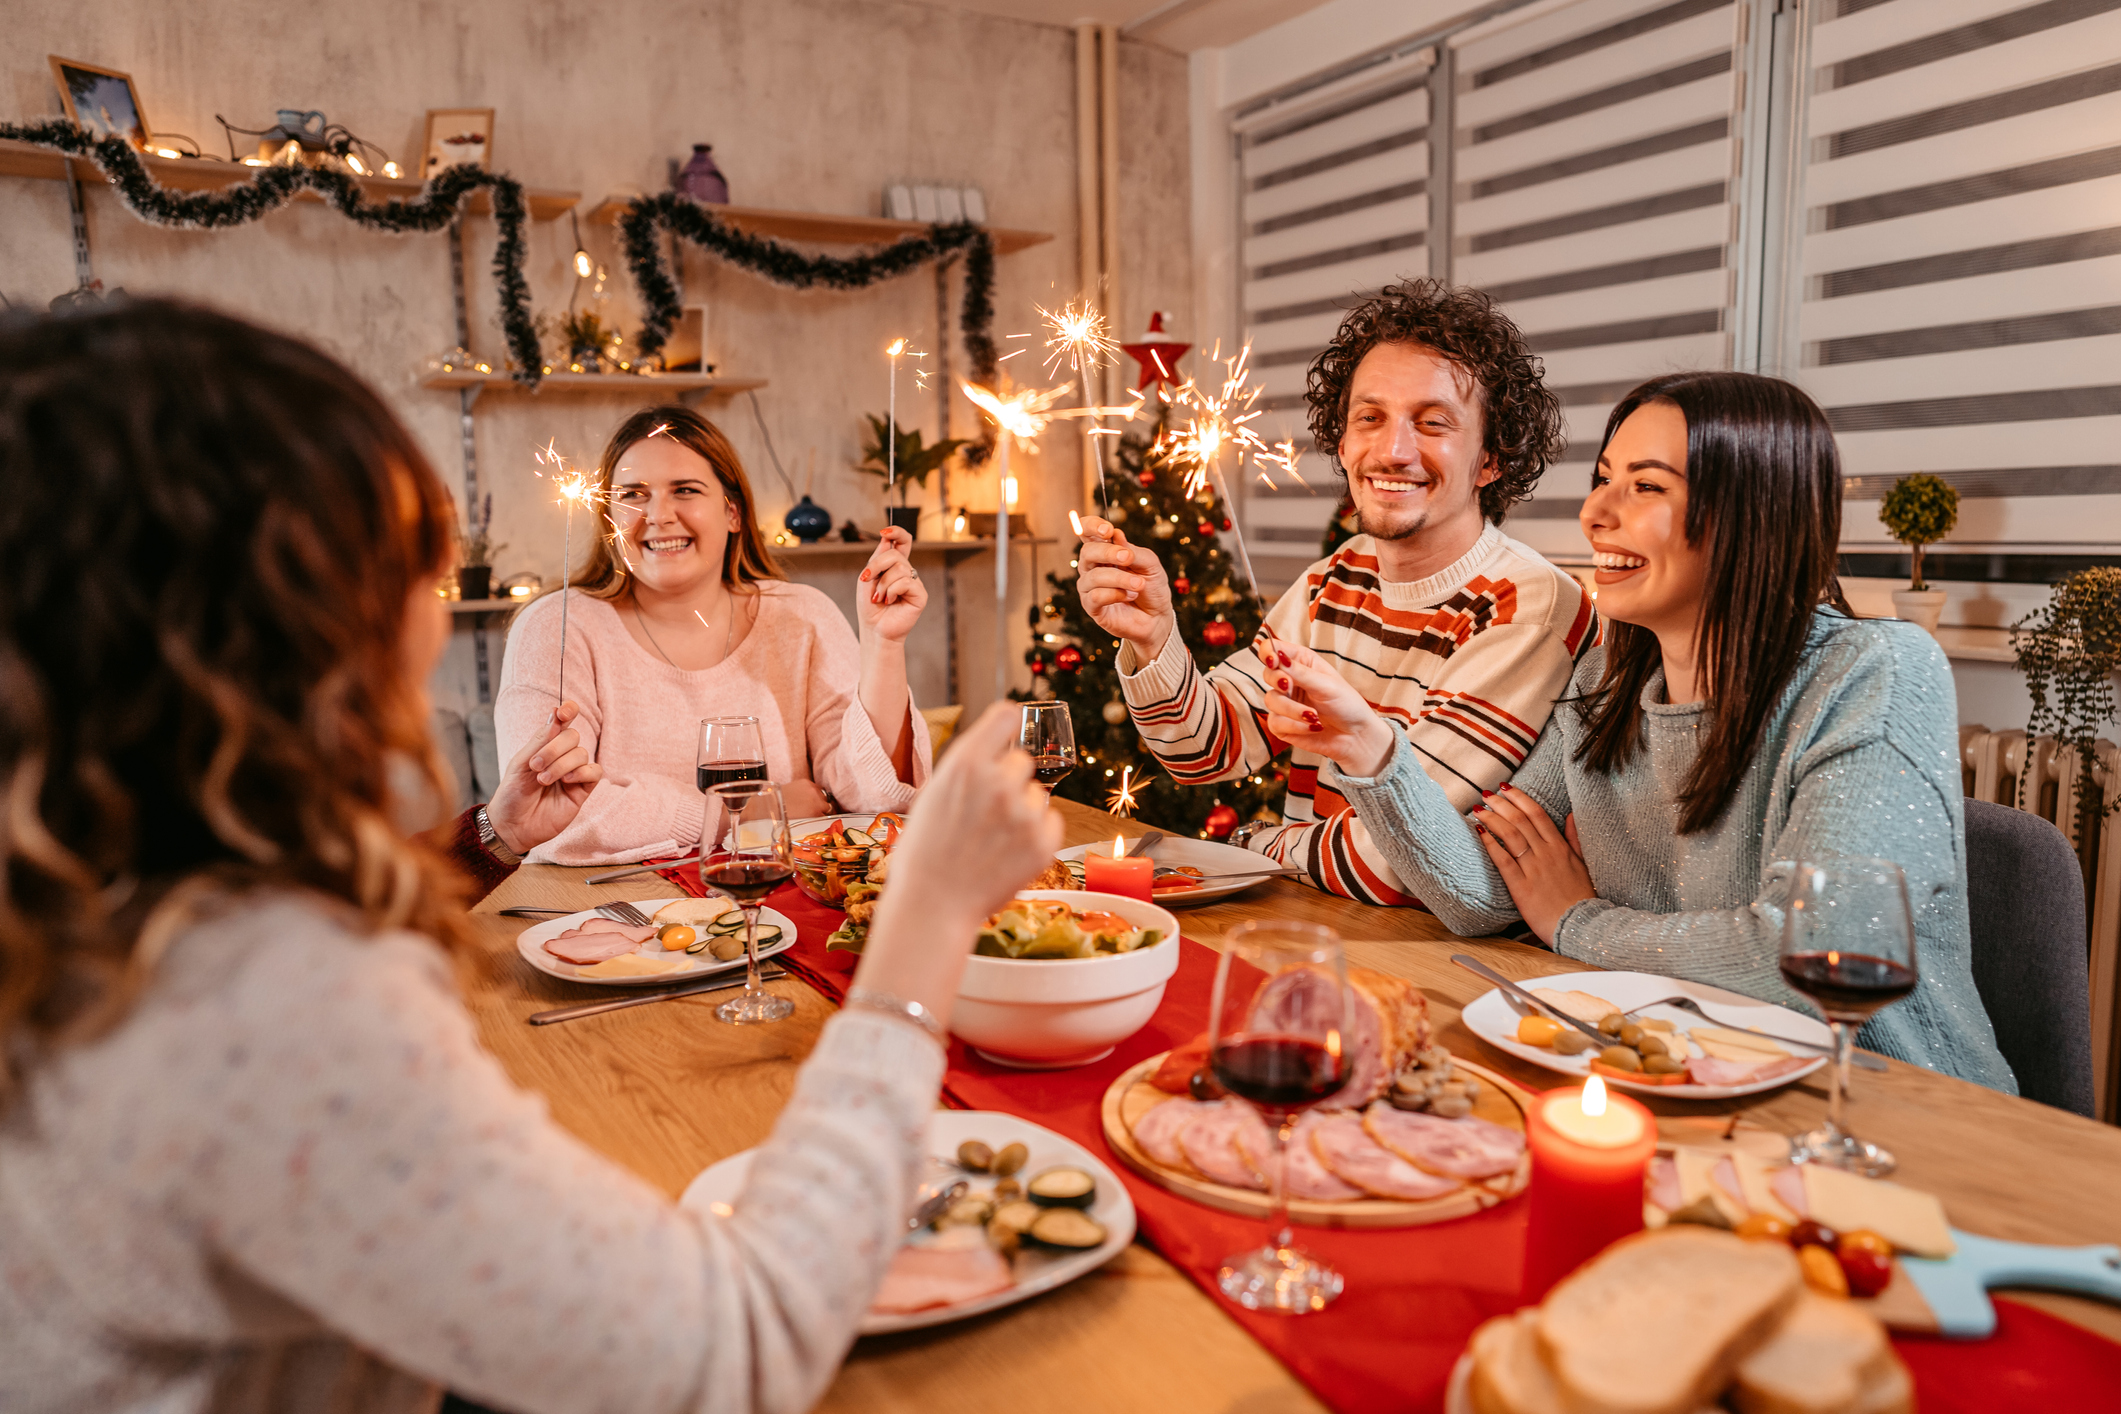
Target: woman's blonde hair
[210,539]
[746,560]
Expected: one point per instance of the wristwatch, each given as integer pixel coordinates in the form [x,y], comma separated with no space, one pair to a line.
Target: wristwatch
[1242,835]
[490,839]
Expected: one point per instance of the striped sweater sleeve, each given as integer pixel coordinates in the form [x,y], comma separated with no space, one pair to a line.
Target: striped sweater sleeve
[1208,727]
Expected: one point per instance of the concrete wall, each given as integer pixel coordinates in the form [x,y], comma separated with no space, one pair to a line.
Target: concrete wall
[810,104]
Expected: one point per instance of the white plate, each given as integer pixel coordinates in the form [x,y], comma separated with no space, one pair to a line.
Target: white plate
[530,943]
[1208,856]
[1493,1018]
[1038,1270]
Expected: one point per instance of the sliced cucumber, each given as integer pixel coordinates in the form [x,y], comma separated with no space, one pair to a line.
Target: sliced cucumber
[699,945]
[1067,1227]
[768,935]
[1063,1188]
[861,838]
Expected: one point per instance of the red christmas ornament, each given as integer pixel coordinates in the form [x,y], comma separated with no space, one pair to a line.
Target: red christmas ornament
[1181,585]
[1068,658]
[1158,353]
[1226,522]
[1220,634]
[1221,820]
[1038,667]
[1206,529]
[1147,478]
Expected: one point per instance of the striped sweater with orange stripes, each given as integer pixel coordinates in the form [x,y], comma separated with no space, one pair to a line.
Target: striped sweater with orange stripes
[1468,662]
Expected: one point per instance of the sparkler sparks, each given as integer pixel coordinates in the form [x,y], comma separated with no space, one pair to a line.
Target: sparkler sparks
[575,489]
[1121,801]
[1077,337]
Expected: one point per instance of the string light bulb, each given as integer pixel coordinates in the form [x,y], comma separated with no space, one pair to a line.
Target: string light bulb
[392,170]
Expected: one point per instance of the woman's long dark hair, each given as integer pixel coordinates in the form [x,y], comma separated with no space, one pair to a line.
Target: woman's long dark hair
[1764,492]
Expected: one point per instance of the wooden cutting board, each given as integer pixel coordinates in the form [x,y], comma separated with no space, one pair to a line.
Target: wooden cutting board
[1501,1102]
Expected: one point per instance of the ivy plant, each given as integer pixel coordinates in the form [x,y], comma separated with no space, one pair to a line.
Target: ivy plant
[2069,650]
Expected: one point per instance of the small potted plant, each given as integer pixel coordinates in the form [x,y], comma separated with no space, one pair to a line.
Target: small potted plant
[915,462]
[2069,650]
[475,573]
[1920,510]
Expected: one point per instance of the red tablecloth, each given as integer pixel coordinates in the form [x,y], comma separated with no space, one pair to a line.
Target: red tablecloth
[1413,1295]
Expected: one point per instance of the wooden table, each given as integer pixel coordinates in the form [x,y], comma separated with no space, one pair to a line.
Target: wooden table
[667,1090]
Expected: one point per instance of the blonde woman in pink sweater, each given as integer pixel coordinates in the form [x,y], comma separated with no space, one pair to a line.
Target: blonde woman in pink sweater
[680,613]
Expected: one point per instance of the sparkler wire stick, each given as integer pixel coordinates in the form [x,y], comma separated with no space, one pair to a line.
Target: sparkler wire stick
[566,575]
[1001,579]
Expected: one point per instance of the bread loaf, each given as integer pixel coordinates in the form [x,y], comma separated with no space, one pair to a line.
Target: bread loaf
[1827,1357]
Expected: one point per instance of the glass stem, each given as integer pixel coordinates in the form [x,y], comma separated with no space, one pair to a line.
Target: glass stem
[751,947]
[1278,1193]
[1844,1044]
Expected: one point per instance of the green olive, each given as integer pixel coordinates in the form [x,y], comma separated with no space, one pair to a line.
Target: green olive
[1472,1088]
[1008,1191]
[1451,1107]
[1649,1044]
[1611,1023]
[1662,1065]
[1010,1159]
[1620,1058]
[975,1156]
[1572,1042]
[1630,1034]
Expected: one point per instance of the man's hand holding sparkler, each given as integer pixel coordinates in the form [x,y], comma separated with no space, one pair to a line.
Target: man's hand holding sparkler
[1124,588]
[544,787]
[1312,706]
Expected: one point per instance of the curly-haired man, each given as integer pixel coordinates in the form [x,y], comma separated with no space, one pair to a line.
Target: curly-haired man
[1434,411]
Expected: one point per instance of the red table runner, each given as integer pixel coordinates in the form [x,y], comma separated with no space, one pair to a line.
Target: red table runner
[1413,1295]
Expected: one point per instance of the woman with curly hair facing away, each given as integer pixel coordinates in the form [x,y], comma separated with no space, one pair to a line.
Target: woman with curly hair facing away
[252,1156]
[1735,716]
[679,613]
[1433,410]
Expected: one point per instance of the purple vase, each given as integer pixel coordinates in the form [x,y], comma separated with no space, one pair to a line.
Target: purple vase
[701,179]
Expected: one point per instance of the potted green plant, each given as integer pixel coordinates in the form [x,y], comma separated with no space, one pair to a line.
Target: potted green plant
[915,460]
[475,571]
[2069,650]
[1920,510]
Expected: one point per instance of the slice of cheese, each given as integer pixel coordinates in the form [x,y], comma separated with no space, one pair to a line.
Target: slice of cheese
[1911,1220]
[631,964]
[1695,1181]
[1725,1044]
[1581,1005]
[1753,1175]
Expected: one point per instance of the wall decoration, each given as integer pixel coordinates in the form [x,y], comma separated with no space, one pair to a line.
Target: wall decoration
[307,138]
[274,187]
[647,216]
[101,100]
[457,137]
[701,179]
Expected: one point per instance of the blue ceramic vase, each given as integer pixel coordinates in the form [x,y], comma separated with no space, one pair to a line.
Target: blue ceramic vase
[808,522]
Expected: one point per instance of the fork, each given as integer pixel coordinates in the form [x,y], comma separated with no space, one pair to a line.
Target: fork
[1863,1060]
[623,912]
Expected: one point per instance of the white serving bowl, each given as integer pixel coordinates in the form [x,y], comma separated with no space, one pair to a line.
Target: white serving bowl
[1052,1013]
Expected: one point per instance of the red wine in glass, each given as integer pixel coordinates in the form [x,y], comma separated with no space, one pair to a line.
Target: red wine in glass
[723,772]
[1848,987]
[1279,1074]
[746,880]
[1052,770]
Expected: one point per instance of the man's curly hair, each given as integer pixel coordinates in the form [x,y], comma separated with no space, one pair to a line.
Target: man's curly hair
[1521,420]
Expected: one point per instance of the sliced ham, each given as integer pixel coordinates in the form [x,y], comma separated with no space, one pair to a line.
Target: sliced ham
[1465,1148]
[1707,1070]
[1302,1175]
[596,940]
[1210,1143]
[1662,1183]
[1157,1131]
[1725,1177]
[921,1278]
[1175,1075]
[1386,1023]
[1351,1155]
[1787,1183]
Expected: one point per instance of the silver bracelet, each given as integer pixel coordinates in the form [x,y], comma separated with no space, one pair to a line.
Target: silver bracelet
[869,999]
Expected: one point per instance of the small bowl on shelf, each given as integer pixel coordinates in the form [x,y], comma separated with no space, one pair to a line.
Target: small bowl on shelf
[1054,1013]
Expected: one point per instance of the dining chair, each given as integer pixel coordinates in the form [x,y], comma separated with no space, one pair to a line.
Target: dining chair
[2025,903]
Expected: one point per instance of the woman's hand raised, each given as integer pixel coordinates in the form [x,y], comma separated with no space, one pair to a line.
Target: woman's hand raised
[892,593]
[1312,706]
[1542,866]
[544,787]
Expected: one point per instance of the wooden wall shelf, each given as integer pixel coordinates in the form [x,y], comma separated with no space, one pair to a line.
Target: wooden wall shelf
[949,549]
[21,159]
[625,384]
[823,229]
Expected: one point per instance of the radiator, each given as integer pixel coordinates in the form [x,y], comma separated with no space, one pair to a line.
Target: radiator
[1994,766]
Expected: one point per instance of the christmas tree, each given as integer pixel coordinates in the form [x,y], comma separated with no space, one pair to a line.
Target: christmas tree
[1074,661]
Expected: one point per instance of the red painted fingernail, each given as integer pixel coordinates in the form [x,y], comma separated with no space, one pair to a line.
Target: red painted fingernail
[1485,794]
[1479,829]
[1506,785]
[1284,658]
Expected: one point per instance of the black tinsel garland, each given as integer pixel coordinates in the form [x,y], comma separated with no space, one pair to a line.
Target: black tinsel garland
[274,187]
[771,260]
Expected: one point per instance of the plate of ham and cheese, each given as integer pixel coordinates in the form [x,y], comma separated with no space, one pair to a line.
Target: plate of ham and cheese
[956,1268]
[589,947]
[1718,1061]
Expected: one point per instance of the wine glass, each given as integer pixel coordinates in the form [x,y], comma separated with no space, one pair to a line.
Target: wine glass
[756,861]
[730,751]
[1276,1039]
[1848,945]
[1048,734]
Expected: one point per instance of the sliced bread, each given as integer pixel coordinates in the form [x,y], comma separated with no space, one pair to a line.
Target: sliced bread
[1657,1323]
[1508,1375]
[1827,1357]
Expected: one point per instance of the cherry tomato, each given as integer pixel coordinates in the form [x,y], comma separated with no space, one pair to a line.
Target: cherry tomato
[1866,1240]
[1764,1227]
[1822,1271]
[1869,1272]
[1811,1234]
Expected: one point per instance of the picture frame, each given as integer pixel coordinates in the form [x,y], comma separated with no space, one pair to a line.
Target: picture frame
[101,100]
[455,136]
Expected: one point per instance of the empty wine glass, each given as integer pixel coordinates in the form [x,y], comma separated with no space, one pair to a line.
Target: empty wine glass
[1848,945]
[1047,733]
[756,860]
[1277,1028]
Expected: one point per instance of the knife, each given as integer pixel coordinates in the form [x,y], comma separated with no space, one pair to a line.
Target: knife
[629,873]
[1142,844]
[717,984]
[1479,968]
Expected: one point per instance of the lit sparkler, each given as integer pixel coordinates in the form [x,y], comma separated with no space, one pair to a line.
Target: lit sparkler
[895,348]
[1222,420]
[1121,801]
[1077,336]
[1023,414]
[575,489]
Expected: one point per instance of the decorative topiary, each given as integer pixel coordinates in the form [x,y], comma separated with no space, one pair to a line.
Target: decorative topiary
[1920,510]
[2069,650]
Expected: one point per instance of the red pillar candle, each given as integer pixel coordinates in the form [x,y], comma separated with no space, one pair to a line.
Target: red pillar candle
[1589,1150]
[1115,874]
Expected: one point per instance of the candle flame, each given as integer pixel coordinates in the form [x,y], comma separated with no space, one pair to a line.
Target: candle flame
[1119,846]
[1594,1096]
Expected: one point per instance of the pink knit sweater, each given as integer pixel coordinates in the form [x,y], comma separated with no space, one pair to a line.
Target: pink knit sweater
[798,671]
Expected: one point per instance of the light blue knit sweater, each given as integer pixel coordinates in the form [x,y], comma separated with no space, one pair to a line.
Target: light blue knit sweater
[1859,758]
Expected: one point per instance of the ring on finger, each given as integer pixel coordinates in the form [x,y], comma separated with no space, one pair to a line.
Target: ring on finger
[1522,853]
